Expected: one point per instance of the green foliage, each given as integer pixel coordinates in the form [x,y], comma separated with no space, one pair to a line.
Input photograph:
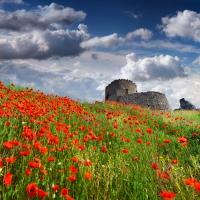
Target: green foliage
[17,88]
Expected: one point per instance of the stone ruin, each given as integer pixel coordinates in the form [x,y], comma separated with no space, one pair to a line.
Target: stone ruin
[186,104]
[125,91]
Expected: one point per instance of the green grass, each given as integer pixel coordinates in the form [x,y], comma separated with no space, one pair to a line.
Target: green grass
[100,151]
[17,88]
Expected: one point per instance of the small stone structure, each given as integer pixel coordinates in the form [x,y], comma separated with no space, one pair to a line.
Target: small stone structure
[125,91]
[186,104]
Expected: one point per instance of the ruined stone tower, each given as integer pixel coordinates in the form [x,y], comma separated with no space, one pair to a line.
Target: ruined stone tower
[125,91]
[119,88]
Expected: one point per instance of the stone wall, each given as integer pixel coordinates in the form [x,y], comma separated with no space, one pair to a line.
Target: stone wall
[152,100]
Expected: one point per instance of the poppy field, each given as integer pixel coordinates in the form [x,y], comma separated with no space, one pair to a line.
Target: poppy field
[53,147]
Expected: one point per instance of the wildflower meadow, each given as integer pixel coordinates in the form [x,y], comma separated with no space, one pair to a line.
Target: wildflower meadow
[53,147]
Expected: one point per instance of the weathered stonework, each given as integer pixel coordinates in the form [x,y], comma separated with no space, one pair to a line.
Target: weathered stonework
[125,91]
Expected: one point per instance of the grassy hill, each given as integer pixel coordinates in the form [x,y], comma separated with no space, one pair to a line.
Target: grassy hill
[52,147]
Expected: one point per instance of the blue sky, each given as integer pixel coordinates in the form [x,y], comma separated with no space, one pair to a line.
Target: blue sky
[76,48]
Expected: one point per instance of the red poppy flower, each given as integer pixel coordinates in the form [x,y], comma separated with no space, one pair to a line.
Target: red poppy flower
[43,172]
[162,175]
[103,149]
[127,140]
[33,164]
[73,169]
[7,123]
[72,177]
[182,139]
[11,159]
[174,161]
[81,147]
[69,198]
[32,189]
[155,166]
[194,134]
[38,145]
[85,139]
[1,113]
[134,159]
[74,159]
[41,193]
[55,188]
[197,187]
[167,141]
[88,176]
[7,179]
[64,192]
[165,176]
[24,153]
[139,141]
[125,150]
[44,150]
[28,172]
[149,130]
[51,159]
[167,195]
[88,162]
[190,181]
[15,142]
[138,130]
[148,143]
[112,134]
[8,145]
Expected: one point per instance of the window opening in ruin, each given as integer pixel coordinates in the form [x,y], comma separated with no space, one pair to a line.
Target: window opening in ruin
[126,91]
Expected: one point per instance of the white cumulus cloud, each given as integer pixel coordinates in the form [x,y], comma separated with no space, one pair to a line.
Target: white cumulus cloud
[154,68]
[185,24]
[106,41]
[145,34]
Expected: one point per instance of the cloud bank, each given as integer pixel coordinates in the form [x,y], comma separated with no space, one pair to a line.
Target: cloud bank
[43,45]
[31,35]
[114,40]
[39,34]
[40,19]
[155,68]
[11,1]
